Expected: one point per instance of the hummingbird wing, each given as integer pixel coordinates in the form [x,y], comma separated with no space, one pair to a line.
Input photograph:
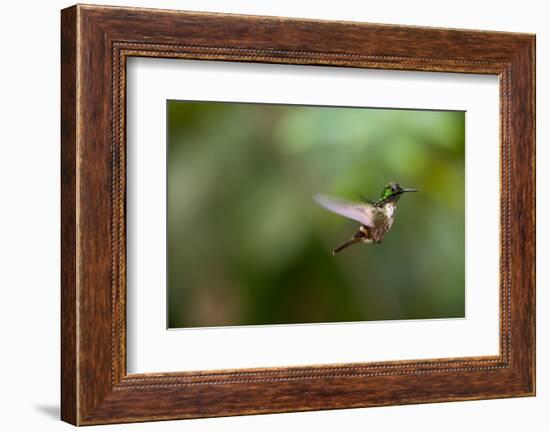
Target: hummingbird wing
[360,212]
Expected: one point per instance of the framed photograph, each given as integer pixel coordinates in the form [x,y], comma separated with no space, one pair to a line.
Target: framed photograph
[263,214]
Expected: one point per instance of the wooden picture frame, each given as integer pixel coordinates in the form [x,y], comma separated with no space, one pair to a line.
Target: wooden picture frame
[95,43]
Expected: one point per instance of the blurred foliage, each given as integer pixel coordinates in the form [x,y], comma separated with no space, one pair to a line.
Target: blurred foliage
[248,245]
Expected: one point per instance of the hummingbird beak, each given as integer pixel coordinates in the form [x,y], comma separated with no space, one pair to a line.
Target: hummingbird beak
[408,190]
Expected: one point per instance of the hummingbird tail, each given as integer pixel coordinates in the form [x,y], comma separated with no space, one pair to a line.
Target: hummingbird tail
[345,245]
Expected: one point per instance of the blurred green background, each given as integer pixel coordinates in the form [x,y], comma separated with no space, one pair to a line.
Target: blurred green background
[247,244]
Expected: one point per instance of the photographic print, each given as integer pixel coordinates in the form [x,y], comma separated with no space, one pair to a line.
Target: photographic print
[289,214]
[257,224]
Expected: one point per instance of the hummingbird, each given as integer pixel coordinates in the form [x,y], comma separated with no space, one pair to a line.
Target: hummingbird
[375,217]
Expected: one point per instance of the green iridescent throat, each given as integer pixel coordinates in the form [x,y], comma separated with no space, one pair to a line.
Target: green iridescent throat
[386,194]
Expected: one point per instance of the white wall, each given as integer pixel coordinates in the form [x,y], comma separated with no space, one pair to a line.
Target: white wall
[29,214]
